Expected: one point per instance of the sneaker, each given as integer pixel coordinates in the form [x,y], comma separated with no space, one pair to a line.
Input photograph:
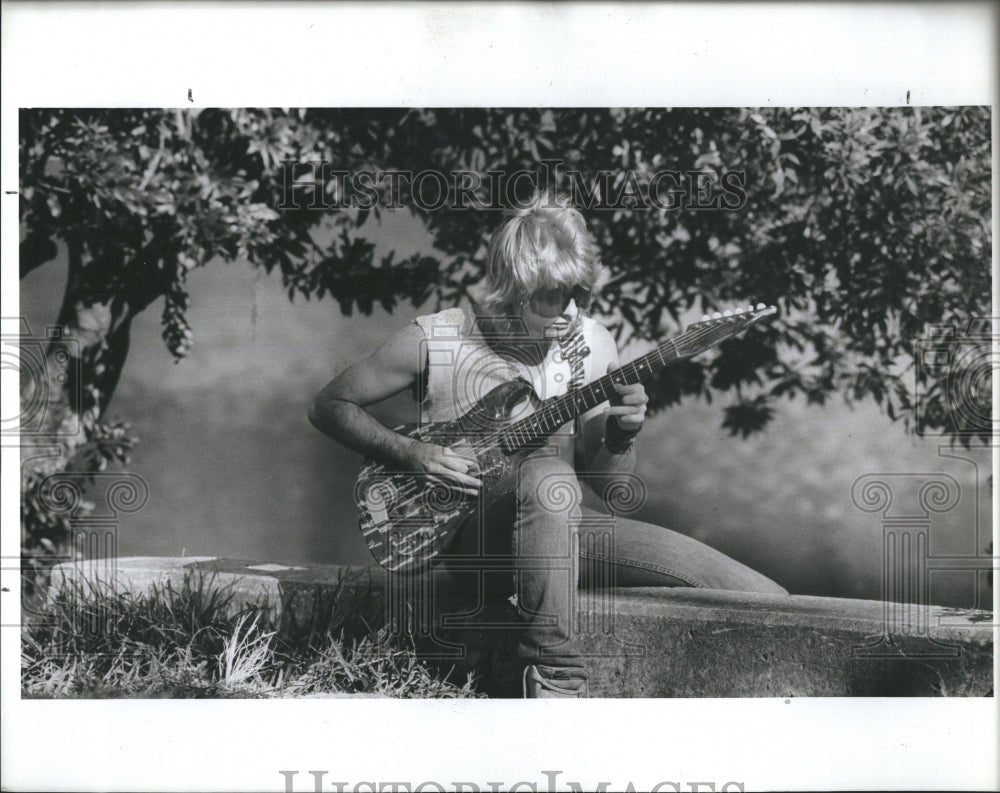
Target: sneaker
[551,682]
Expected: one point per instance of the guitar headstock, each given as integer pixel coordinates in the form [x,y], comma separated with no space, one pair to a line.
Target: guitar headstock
[716,327]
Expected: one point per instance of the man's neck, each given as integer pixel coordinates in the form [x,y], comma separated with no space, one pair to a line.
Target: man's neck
[508,336]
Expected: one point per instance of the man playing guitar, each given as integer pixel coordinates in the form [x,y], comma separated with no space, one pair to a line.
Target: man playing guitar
[528,323]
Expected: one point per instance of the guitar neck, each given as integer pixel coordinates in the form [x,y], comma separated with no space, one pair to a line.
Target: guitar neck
[556,411]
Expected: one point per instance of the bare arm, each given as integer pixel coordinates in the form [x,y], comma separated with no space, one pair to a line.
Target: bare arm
[339,411]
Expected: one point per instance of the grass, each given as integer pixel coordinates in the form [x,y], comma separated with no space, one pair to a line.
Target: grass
[87,641]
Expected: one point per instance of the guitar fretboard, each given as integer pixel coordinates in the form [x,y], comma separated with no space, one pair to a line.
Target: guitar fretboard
[556,411]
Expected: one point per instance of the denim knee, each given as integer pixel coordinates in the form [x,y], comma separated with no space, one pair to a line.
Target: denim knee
[548,483]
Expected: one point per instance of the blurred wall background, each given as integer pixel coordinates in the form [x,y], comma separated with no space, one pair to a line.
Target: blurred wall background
[235,469]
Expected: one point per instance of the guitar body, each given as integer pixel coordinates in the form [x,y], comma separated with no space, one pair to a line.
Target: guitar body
[406,519]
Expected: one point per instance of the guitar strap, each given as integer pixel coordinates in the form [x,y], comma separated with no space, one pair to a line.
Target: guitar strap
[574,349]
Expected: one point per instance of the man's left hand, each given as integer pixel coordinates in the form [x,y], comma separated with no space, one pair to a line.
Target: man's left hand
[628,405]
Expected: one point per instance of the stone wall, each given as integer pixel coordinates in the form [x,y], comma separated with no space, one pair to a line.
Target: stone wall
[645,642]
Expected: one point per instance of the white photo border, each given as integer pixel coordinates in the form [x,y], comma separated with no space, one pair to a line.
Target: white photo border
[458,54]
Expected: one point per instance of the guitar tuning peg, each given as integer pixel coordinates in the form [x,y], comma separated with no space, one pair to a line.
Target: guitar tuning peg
[716,315]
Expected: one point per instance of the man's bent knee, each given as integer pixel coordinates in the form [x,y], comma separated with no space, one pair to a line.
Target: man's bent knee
[549,483]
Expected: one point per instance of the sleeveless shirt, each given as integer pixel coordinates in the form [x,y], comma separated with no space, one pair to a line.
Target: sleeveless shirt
[462,367]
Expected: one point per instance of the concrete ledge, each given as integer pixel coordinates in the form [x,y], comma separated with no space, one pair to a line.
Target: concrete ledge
[649,642]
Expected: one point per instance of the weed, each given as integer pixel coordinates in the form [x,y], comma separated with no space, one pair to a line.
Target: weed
[196,640]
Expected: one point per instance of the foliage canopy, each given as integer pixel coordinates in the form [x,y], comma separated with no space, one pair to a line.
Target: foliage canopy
[864,225]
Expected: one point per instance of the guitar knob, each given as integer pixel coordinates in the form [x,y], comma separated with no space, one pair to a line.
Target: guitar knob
[705,318]
[760,306]
[716,315]
[727,313]
[738,311]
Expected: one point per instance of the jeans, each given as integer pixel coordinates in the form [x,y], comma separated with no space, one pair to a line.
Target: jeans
[553,544]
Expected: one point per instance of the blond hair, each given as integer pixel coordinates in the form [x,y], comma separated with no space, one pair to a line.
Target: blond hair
[543,245]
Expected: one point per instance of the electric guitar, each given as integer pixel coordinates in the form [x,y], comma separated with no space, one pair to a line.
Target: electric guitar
[407,519]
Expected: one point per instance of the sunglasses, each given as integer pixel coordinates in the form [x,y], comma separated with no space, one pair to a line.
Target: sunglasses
[554,302]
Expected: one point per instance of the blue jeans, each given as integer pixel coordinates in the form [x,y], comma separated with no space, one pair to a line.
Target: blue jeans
[554,544]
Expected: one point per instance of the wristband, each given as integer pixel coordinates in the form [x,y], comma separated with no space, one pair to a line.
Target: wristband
[617,439]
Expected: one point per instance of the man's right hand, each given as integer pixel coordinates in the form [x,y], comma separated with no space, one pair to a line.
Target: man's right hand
[447,465]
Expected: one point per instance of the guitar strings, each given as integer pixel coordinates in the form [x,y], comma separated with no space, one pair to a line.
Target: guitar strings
[524,431]
[528,429]
[520,433]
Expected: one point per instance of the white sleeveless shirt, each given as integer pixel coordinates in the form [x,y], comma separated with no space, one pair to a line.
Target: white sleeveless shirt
[462,367]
